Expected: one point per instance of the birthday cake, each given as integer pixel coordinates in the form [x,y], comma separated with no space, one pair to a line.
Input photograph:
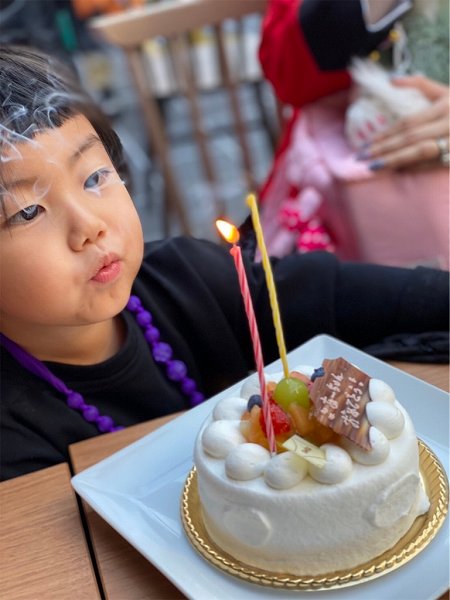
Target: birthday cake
[342,487]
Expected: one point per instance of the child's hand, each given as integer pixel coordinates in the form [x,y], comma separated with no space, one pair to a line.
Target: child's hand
[419,139]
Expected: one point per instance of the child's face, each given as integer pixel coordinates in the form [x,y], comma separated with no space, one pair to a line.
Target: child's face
[71,240]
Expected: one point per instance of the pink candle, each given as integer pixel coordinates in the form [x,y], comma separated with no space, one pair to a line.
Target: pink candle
[254,333]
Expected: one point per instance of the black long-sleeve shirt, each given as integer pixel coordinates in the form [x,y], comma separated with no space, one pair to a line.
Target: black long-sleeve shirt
[191,289]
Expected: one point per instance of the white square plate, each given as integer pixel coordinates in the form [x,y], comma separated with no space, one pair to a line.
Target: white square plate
[137,491]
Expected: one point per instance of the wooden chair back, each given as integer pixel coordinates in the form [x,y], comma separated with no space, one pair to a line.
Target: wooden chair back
[175,20]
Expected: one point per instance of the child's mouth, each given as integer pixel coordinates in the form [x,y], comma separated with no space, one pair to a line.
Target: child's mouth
[108,272]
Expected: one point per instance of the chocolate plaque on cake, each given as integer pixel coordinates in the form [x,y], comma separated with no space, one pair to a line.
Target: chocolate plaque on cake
[339,399]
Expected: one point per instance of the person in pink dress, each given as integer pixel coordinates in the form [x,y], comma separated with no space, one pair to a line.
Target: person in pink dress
[379,194]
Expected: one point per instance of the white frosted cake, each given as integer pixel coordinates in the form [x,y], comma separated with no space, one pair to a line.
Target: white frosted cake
[343,494]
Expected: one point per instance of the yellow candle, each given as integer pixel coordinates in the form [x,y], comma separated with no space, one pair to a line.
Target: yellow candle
[251,203]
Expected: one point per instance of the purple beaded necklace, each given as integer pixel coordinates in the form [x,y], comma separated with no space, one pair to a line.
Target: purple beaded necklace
[162,353]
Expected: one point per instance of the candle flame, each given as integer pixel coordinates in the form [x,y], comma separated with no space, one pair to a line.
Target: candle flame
[228,231]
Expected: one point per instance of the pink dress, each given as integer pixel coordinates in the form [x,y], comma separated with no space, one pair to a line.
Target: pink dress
[320,197]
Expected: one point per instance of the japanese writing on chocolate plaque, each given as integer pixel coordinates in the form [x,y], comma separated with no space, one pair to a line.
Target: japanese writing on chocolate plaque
[339,400]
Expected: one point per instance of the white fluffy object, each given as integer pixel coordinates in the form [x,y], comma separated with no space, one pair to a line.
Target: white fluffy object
[378,103]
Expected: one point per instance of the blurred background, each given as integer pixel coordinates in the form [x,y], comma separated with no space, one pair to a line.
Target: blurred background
[65,28]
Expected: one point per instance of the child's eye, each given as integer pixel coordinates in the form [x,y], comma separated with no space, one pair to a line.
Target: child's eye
[97,179]
[26,214]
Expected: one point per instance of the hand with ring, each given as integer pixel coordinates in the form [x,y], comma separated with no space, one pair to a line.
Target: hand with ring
[421,139]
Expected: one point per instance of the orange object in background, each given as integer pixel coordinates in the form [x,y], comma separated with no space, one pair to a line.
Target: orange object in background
[84,9]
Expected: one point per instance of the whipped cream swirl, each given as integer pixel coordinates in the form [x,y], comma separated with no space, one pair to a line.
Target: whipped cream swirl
[222,439]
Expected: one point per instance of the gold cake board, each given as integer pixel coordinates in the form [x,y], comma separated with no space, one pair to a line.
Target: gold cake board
[414,541]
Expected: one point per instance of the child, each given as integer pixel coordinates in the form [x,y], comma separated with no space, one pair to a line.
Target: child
[80,356]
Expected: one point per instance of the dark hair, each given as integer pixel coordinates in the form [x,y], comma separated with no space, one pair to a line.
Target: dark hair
[38,92]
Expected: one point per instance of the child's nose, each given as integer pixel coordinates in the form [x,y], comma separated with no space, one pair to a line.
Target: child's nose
[86,227]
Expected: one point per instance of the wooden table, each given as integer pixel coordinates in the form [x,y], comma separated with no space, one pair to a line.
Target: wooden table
[44,553]
[125,574]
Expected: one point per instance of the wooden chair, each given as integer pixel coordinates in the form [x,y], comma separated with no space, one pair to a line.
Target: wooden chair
[175,20]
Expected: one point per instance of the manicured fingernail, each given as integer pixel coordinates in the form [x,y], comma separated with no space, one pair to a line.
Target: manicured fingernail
[362,155]
[376,165]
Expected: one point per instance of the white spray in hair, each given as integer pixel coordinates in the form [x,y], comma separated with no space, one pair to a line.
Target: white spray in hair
[40,190]
[8,144]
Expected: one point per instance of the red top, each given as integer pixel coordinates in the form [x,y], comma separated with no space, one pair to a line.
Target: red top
[287,61]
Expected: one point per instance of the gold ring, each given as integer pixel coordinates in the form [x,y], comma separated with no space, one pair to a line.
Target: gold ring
[444,153]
